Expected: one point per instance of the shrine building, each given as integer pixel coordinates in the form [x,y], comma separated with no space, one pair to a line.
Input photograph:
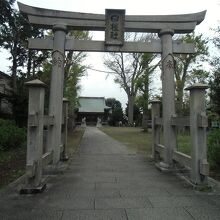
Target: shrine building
[92,108]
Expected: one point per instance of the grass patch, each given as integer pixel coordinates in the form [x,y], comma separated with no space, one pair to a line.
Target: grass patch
[12,165]
[12,162]
[141,142]
[183,142]
[134,138]
[6,156]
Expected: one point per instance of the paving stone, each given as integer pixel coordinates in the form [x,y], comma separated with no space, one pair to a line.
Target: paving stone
[155,182]
[143,192]
[91,169]
[146,178]
[12,202]
[180,191]
[214,199]
[69,203]
[133,185]
[201,213]
[89,179]
[84,193]
[28,214]
[115,214]
[126,174]
[158,214]
[178,201]
[75,185]
[115,203]
[132,169]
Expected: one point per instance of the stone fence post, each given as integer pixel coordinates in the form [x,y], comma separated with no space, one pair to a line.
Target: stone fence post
[155,113]
[65,128]
[34,181]
[198,125]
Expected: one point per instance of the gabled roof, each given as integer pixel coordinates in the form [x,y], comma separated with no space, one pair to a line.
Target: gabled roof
[92,104]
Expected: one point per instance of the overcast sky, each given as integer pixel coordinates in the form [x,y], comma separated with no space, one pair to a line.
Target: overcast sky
[96,84]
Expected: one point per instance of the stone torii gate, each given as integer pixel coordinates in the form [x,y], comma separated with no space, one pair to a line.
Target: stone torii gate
[62,21]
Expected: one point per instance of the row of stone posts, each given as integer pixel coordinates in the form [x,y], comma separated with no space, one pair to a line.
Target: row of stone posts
[36,116]
[197,109]
[198,125]
[37,157]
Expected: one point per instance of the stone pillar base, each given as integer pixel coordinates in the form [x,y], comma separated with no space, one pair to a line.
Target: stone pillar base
[28,189]
[55,169]
[64,158]
[83,125]
[99,125]
[203,187]
[164,167]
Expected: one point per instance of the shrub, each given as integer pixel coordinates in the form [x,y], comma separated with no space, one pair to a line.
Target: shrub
[214,149]
[11,136]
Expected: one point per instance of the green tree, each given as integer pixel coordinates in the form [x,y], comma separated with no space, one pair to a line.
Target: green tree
[215,91]
[127,68]
[15,31]
[11,40]
[6,9]
[143,84]
[117,112]
[72,87]
[189,67]
[74,69]
[215,78]
[137,113]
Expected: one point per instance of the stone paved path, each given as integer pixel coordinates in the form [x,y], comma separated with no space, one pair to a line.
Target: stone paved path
[105,181]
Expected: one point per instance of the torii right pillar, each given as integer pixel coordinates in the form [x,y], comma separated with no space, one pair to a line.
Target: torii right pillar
[168,97]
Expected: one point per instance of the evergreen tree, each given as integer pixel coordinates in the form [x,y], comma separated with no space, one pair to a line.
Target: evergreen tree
[117,112]
[215,78]
[189,67]
[215,91]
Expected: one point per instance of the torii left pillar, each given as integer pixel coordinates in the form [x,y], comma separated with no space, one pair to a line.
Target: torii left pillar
[56,90]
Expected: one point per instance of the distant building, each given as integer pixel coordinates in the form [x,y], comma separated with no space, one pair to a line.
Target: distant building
[92,108]
[5,94]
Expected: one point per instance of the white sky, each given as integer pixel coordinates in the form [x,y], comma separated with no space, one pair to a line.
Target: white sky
[96,84]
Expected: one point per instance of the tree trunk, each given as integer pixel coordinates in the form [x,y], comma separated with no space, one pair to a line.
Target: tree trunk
[14,52]
[34,67]
[71,121]
[14,69]
[130,110]
[29,63]
[68,64]
[145,121]
[179,101]
[145,105]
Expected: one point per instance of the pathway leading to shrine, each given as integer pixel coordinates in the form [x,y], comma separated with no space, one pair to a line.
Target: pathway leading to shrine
[106,181]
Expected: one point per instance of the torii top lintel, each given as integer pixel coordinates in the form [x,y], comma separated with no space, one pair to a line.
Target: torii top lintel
[46,18]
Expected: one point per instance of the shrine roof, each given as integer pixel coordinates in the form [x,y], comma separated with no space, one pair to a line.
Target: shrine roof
[92,104]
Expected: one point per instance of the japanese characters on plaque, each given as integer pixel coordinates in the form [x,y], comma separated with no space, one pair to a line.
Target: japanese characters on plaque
[114,33]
